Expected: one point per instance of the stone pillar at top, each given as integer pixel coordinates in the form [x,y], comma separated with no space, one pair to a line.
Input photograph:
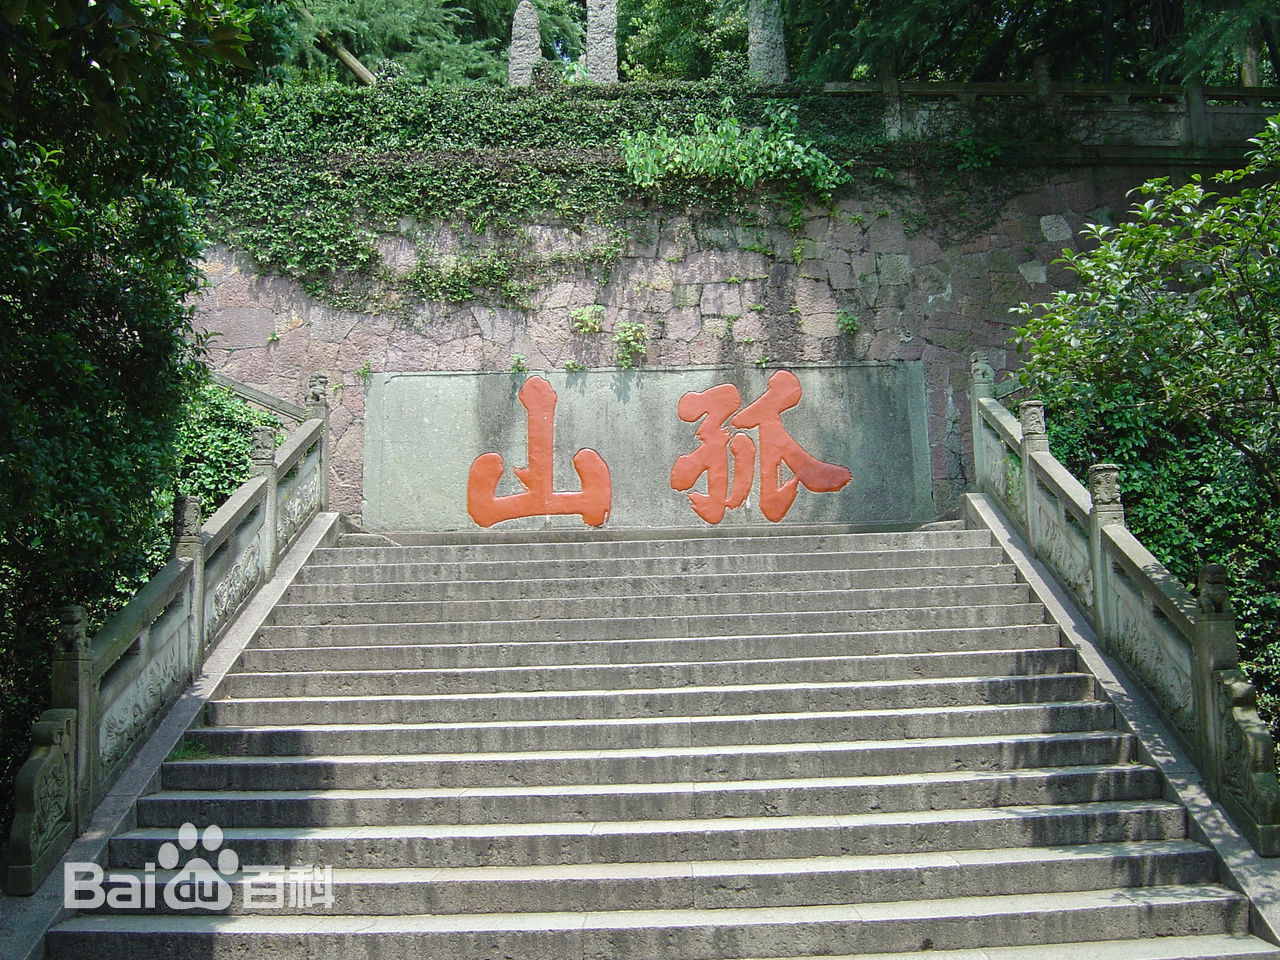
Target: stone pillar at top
[766,41]
[526,45]
[602,41]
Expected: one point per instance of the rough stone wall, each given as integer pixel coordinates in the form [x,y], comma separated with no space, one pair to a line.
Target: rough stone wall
[707,291]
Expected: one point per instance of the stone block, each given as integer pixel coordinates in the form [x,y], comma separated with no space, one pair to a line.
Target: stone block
[840,275]
[820,325]
[1033,272]
[1055,229]
[683,324]
[724,299]
[893,269]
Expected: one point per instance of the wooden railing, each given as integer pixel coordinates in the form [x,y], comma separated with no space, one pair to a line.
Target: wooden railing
[110,691]
[1181,647]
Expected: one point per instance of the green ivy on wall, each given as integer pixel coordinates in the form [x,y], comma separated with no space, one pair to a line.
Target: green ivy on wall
[333,168]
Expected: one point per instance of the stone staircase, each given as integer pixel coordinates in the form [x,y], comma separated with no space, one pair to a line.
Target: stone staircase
[806,742]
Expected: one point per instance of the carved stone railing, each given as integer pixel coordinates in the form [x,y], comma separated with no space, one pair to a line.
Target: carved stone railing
[110,691]
[1083,115]
[1182,648]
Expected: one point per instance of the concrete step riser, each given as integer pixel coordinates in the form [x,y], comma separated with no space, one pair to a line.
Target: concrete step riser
[847,934]
[467,611]
[836,760]
[675,732]
[725,889]
[592,628]
[721,841]
[691,701]
[687,547]
[598,586]
[757,560]
[552,653]
[319,683]
[673,802]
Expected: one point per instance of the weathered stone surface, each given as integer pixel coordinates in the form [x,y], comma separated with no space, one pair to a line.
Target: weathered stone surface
[893,269]
[526,45]
[724,299]
[821,325]
[602,41]
[1033,272]
[1055,228]
[767,51]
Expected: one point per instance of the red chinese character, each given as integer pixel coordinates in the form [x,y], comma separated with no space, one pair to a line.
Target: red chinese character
[539,499]
[777,447]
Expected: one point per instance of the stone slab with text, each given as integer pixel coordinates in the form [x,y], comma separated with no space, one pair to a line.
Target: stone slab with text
[684,447]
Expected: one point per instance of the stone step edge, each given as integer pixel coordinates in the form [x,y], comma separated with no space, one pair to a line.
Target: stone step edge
[1138,898]
[603,828]
[935,655]
[924,779]
[595,752]
[683,870]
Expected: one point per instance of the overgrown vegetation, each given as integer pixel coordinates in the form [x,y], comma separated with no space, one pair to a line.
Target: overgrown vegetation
[1166,360]
[333,169]
[211,459]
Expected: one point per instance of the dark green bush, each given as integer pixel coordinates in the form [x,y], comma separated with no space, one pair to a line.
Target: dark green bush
[212,460]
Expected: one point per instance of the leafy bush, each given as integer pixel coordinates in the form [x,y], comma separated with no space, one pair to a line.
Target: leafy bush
[731,152]
[212,458]
[1191,499]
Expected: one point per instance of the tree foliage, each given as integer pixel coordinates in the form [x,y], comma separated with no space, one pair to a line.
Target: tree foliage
[115,117]
[1181,306]
[1166,360]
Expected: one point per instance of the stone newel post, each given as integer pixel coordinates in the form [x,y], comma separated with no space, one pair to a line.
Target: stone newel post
[263,464]
[1035,440]
[1104,491]
[318,409]
[188,545]
[983,387]
[766,41]
[74,688]
[1215,649]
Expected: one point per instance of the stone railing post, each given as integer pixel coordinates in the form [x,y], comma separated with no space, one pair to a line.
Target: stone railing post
[1035,440]
[262,459]
[766,41]
[1197,116]
[1215,649]
[1106,509]
[982,386]
[74,689]
[891,89]
[188,545]
[318,409]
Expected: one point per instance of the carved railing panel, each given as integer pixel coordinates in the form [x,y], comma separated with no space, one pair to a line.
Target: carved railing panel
[111,692]
[1182,650]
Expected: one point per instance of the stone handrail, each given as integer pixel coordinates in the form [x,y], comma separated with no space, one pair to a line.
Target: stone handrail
[1089,115]
[1182,648]
[110,692]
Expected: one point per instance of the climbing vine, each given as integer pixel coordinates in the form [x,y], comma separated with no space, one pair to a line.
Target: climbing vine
[336,175]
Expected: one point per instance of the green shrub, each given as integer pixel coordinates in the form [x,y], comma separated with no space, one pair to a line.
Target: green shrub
[212,460]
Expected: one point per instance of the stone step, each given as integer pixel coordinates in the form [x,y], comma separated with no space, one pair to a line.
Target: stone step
[595,677]
[610,608]
[406,656]
[713,625]
[1001,720]
[649,701]
[711,885]
[756,531]
[196,941]
[826,796]
[702,764]
[959,923]
[756,561]
[675,547]
[651,586]
[641,841]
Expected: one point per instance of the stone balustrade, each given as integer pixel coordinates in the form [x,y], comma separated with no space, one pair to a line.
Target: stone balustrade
[1182,648]
[110,691]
